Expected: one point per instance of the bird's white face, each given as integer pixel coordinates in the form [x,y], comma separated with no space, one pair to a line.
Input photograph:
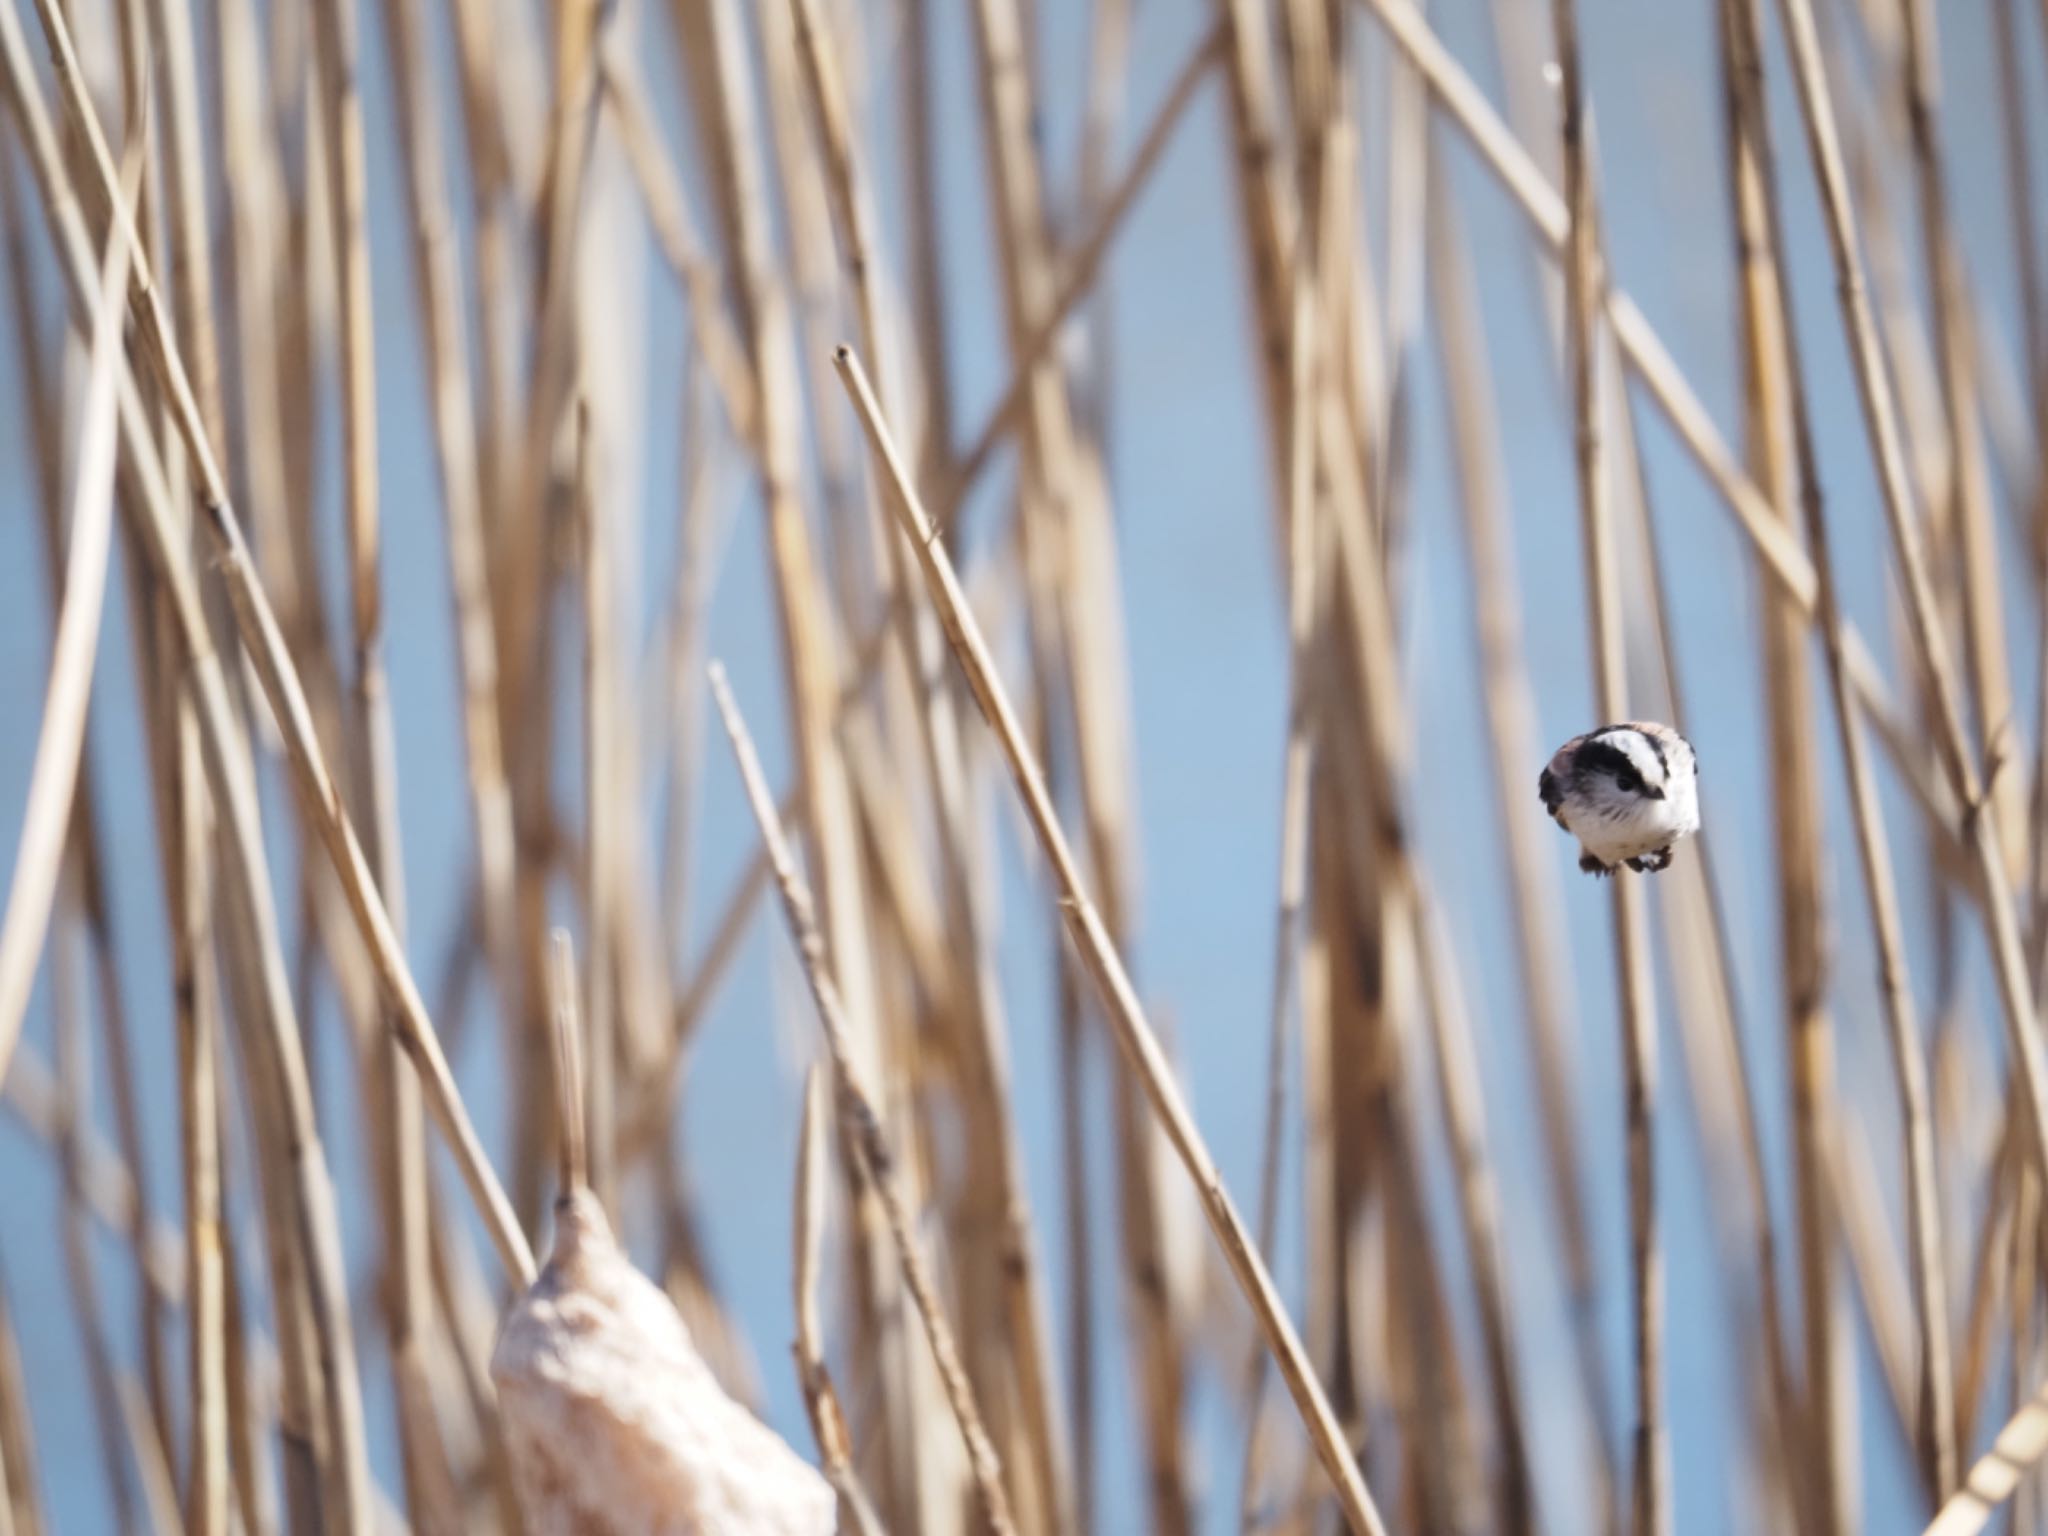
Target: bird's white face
[1629,793]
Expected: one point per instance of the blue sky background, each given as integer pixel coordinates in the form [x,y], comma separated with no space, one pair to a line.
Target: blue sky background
[1208,666]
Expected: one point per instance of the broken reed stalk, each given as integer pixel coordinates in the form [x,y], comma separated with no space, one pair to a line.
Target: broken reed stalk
[866,1136]
[821,1399]
[1134,1036]
[572,1144]
[1635,1000]
[601,1022]
[257,626]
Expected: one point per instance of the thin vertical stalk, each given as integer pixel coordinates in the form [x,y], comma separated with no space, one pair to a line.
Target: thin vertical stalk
[1968,495]
[81,1274]
[18,1491]
[1636,1004]
[1795,810]
[438,283]
[1541,952]
[1304,640]
[600,885]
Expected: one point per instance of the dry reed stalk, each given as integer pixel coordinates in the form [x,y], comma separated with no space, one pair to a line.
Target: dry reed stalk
[185,826]
[2021,1365]
[1882,425]
[1809,1036]
[1263,212]
[1134,1036]
[1995,1475]
[724,356]
[821,1399]
[674,674]
[1541,952]
[402,1167]
[866,1135]
[599,874]
[1966,491]
[82,889]
[75,1232]
[198,1026]
[152,1468]
[250,1412]
[1875,1268]
[1306,557]
[437,281]
[1985,1281]
[1410,189]
[481,36]
[17,1438]
[105,1183]
[1109,64]
[1479,1206]
[1635,1001]
[253,197]
[53,777]
[1717,1057]
[1371,1032]
[925,274]
[850,532]
[2021,207]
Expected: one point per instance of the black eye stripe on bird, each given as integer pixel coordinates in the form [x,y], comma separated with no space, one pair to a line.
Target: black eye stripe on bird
[1628,792]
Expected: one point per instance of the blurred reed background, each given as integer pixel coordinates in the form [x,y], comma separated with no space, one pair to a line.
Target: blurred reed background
[1328,406]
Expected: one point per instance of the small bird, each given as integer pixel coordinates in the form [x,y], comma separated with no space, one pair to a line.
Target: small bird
[1627,792]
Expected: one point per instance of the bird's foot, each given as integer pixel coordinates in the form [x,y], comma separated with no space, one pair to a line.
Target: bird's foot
[1593,866]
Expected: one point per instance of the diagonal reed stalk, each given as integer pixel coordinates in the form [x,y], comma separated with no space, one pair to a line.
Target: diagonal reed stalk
[857,1105]
[1126,1016]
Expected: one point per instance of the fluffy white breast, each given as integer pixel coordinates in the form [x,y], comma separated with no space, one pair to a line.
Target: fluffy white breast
[1615,824]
